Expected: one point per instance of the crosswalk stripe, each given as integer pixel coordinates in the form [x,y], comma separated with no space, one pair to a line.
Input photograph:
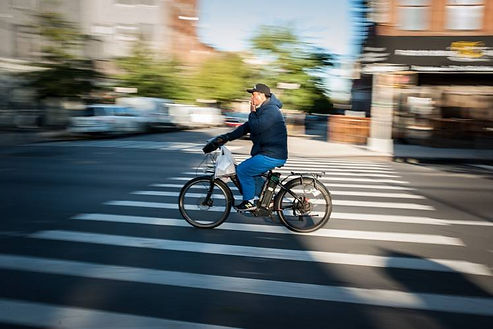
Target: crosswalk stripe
[303,161]
[469,222]
[179,186]
[371,180]
[377,195]
[359,186]
[329,169]
[326,179]
[406,219]
[333,233]
[282,171]
[347,203]
[389,218]
[55,316]
[334,216]
[442,265]
[487,167]
[337,169]
[333,192]
[371,187]
[343,294]
[389,205]
[297,162]
[175,194]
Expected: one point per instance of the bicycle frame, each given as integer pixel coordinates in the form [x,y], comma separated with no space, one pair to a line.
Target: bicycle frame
[265,211]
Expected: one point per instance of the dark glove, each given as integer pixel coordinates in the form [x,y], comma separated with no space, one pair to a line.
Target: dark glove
[215,143]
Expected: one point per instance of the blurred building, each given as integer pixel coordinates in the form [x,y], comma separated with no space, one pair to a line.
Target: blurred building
[182,18]
[115,25]
[168,27]
[426,72]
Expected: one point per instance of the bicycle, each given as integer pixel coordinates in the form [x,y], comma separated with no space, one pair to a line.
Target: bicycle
[302,203]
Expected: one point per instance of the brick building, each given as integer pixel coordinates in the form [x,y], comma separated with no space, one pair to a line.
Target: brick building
[182,18]
[427,69]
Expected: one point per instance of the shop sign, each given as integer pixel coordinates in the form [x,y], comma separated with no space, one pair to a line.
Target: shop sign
[431,54]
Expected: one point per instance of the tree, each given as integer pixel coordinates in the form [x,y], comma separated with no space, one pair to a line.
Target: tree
[296,63]
[151,76]
[63,72]
[222,78]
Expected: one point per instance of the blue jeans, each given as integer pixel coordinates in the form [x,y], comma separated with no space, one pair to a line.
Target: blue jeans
[249,172]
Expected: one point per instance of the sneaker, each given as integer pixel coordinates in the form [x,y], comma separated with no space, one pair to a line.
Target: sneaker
[246,205]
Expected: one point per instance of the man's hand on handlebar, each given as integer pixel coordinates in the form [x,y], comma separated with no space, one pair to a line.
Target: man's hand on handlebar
[215,144]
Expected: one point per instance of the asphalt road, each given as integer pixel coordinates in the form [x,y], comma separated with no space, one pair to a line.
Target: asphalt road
[88,242]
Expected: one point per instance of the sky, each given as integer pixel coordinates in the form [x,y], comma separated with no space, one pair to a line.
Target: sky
[229,24]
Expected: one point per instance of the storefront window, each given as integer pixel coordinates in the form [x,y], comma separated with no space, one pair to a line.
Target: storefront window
[464,14]
[413,15]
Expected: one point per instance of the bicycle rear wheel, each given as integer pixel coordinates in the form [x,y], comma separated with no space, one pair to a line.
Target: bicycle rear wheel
[203,212]
[309,210]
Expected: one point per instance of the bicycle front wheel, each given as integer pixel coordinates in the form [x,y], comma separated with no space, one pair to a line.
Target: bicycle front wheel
[304,206]
[200,210]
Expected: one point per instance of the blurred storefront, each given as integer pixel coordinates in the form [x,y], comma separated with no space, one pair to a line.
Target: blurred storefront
[429,70]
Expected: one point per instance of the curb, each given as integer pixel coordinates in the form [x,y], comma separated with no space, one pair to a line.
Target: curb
[416,160]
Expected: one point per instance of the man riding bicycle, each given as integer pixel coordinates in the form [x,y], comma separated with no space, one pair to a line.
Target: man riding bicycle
[268,133]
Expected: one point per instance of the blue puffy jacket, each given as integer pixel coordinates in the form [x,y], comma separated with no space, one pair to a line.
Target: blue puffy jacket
[267,130]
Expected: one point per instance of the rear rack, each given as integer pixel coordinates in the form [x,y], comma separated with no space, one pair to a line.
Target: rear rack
[304,174]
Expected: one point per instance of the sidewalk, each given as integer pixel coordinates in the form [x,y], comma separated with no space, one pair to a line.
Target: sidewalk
[306,147]
[442,155]
[310,148]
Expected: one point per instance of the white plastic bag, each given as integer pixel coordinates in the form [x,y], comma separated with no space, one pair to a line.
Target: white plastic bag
[225,163]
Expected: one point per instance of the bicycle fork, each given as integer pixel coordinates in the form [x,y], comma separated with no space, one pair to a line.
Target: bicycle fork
[208,201]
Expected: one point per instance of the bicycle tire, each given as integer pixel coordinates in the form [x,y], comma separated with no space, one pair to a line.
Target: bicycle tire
[205,216]
[303,222]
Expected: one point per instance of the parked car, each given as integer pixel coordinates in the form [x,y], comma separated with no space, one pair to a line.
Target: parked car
[205,116]
[106,119]
[155,111]
[235,119]
[190,116]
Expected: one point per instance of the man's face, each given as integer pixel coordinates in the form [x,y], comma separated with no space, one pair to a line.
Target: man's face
[257,98]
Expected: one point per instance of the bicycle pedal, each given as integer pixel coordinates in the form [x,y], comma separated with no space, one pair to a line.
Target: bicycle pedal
[242,211]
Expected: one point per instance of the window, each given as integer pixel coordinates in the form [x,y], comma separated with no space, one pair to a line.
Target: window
[413,15]
[380,10]
[127,32]
[136,2]
[125,2]
[101,30]
[146,32]
[25,42]
[148,2]
[464,14]
[23,4]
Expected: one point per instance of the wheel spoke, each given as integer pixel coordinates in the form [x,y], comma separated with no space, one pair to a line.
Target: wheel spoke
[305,207]
[193,207]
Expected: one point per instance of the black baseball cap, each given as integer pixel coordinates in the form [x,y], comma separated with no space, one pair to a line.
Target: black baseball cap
[261,88]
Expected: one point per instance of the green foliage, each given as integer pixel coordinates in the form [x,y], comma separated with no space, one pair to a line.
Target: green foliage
[221,78]
[294,62]
[62,73]
[152,77]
